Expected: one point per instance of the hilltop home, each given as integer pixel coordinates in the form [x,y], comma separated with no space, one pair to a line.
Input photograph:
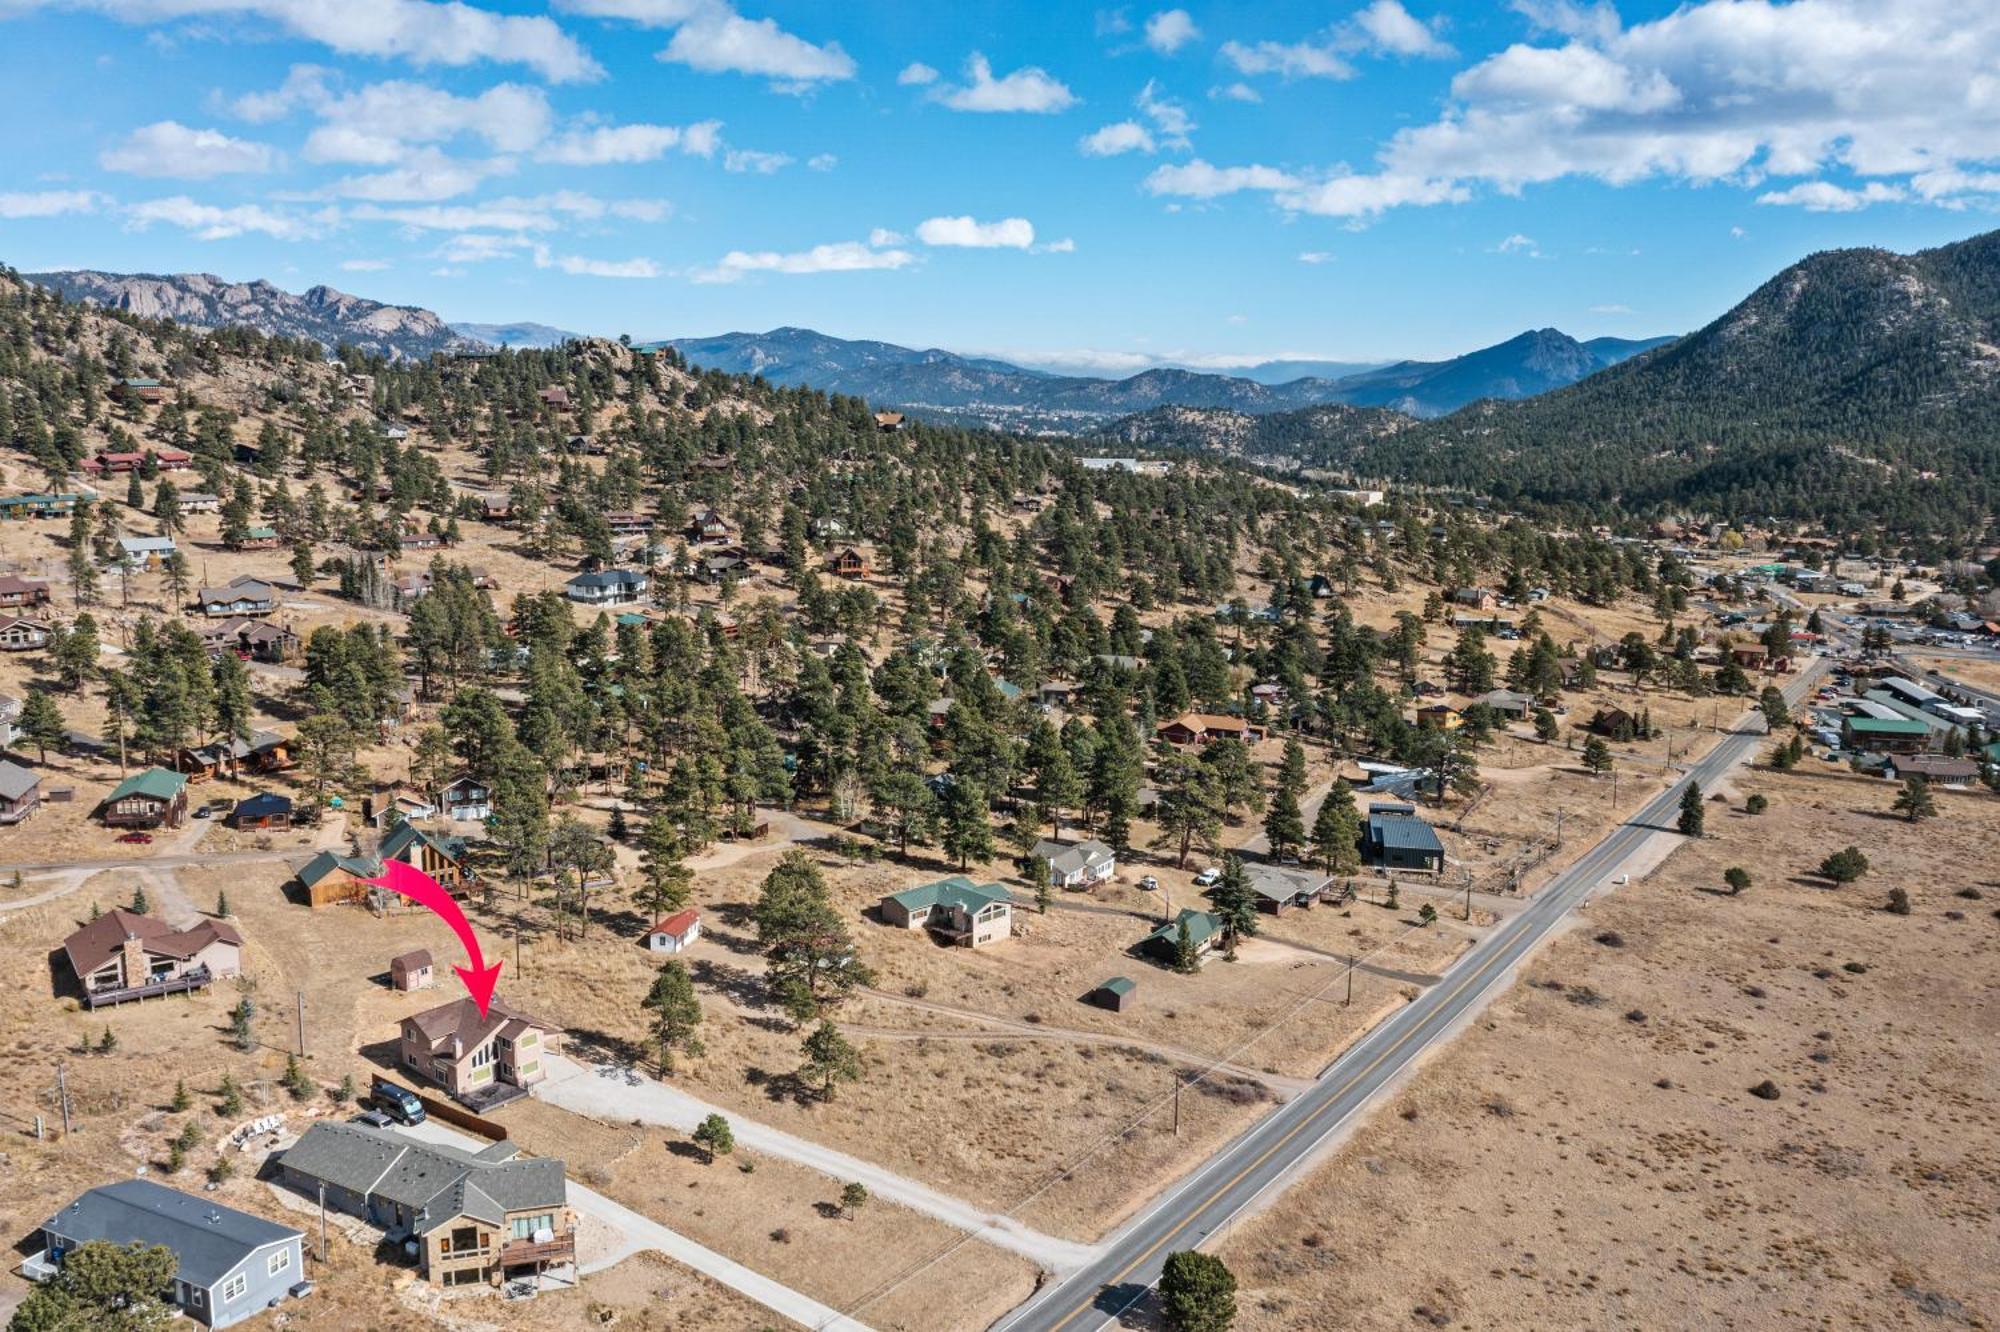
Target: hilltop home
[23,592]
[1163,944]
[1478,598]
[955,909]
[848,562]
[123,955]
[20,793]
[482,1062]
[1077,864]
[888,422]
[149,391]
[708,525]
[466,798]
[145,552]
[256,640]
[1198,728]
[258,538]
[555,396]
[1507,703]
[264,751]
[477,1218]
[607,587]
[23,635]
[38,506]
[149,799]
[229,1265]
[1395,838]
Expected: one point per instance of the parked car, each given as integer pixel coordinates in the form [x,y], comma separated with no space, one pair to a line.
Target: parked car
[203,811]
[1208,878]
[372,1119]
[399,1103]
[140,837]
[1149,884]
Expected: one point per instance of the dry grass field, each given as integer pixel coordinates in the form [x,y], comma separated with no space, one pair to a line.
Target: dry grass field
[1592,1155]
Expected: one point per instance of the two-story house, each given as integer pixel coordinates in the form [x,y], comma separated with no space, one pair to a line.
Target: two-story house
[239,596]
[20,792]
[477,1218]
[229,1265]
[149,799]
[482,1060]
[607,587]
[466,798]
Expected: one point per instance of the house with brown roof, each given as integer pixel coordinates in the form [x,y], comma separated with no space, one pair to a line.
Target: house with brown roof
[1478,598]
[481,1060]
[254,640]
[23,592]
[888,422]
[708,525]
[1198,728]
[1936,769]
[555,396]
[123,955]
[849,562]
[263,752]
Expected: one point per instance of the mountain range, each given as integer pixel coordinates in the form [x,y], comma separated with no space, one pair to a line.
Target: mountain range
[1857,386]
[319,314]
[524,334]
[943,385]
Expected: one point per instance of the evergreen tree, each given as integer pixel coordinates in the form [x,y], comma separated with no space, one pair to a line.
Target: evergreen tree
[1336,833]
[676,1014]
[715,1137]
[42,723]
[1235,903]
[1197,1293]
[1915,800]
[829,1060]
[1284,824]
[1693,815]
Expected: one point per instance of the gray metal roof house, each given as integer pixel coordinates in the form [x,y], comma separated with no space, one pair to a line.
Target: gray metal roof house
[1077,864]
[435,1195]
[232,1265]
[1395,838]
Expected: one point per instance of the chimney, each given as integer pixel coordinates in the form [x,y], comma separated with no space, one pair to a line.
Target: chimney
[133,963]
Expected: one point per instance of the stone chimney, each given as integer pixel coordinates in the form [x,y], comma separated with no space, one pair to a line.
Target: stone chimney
[133,954]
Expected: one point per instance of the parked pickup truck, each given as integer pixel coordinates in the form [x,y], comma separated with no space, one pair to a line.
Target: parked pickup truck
[399,1103]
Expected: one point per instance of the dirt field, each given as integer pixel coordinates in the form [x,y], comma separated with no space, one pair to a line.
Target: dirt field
[1592,1155]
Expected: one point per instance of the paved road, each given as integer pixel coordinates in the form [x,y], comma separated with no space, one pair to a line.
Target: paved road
[1265,1156]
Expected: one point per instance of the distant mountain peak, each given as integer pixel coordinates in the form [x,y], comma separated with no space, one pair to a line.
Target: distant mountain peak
[321,313]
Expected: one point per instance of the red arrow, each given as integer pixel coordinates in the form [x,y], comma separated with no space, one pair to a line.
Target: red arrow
[421,888]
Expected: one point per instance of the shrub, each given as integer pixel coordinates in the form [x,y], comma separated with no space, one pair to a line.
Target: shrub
[1845,865]
[1899,902]
[1766,1090]
[1756,804]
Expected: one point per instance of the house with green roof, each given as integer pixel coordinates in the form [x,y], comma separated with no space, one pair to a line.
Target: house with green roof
[1163,944]
[1881,735]
[151,799]
[331,879]
[956,909]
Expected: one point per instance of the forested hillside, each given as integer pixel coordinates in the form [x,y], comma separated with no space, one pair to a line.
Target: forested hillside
[1856,388]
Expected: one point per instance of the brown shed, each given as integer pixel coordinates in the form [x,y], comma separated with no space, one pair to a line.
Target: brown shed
[411,971]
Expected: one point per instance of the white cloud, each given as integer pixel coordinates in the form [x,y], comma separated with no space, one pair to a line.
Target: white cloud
[1015,233]
[1736,92]
[841,257]
[749,161]
[425,176]
[544,212]
[1200,180]
[1611,309]
[1235,92]
[711,36]
[1363,196]
[882,236]
[364,265]
[372,124]
[1820,196]
[1026,89]
[578,266]
[1316,256]
[47,203]
[304,85]
[729,43]
[1519,244]
[423,32]
[209,222]
[1294,60]
[917,74]
[608,145]
[1387,27]
[169,148]
[1169,117]
[1169,30]
[1124,136]
[822,162]
[1067,245]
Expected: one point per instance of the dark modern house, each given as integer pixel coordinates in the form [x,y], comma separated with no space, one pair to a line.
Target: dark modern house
[1395,838]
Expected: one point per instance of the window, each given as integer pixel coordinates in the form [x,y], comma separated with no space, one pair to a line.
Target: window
[483,1055]
[464,1239]
[278,1262]
[233,1288]
[526,1226]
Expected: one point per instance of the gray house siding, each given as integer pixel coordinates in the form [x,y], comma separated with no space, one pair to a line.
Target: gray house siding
[261,1286]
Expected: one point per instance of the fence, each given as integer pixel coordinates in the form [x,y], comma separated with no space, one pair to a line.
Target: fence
[437,1108]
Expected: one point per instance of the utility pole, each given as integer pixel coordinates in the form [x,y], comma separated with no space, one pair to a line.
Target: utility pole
[62,1095]
[1560,814]
[302,1022]
[322,1221]
[1468,897]
[1348,1002]
[1177,1103]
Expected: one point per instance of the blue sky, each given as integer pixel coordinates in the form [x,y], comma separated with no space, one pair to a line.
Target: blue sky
[1212,184]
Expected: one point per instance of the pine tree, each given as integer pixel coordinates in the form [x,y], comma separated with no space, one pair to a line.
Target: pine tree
[1284,825]
[1915,800]
[42,723]
[715,1137]
[1693,816]
[830,1060]
[1235,903]
[676,1014]
[1336,834]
